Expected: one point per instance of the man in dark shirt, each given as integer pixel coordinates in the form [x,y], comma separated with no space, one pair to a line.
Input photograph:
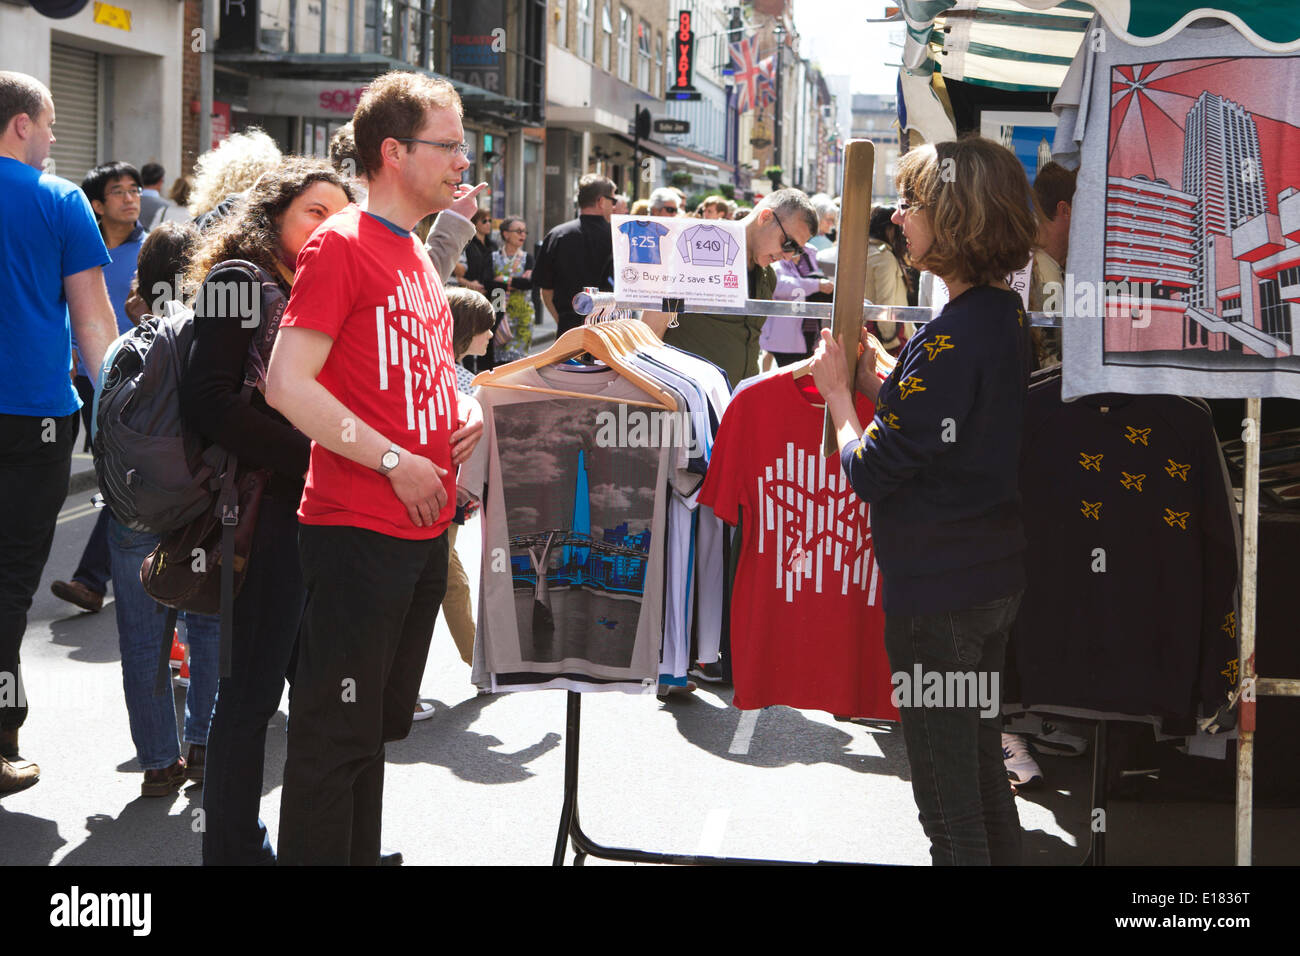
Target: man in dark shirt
[578,253]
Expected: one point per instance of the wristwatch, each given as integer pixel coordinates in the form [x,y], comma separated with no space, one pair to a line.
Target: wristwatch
[390,459]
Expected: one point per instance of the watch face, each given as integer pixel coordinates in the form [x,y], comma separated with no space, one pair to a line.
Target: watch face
[390,459]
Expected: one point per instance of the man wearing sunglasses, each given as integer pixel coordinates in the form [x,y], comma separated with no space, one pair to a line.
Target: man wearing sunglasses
[777,229]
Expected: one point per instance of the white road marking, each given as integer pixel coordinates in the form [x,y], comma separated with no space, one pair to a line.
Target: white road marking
[744,732]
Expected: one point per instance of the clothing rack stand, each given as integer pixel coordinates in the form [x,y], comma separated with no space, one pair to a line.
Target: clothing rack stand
[591,302]
[583,846]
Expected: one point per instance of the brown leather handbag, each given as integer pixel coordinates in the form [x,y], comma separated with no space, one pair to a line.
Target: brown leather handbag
[184,570]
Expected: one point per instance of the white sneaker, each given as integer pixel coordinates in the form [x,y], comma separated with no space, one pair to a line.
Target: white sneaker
[1022,768]
[423,710]
[1058,743]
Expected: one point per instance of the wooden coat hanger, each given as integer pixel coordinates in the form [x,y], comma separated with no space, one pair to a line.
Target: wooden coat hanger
[597,341]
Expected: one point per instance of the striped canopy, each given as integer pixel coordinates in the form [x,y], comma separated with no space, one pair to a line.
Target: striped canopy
[1028,44]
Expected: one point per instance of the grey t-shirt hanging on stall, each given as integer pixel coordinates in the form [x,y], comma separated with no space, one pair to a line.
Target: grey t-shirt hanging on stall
[1184,265]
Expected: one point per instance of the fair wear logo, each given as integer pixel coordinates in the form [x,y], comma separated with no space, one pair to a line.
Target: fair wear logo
[947,689]
[77,909]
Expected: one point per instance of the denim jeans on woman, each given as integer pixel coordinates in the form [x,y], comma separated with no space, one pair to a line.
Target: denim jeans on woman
[265,630]
[140,621]
[958,778]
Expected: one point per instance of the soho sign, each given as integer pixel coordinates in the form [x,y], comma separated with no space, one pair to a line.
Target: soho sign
[341,100]
[311,98]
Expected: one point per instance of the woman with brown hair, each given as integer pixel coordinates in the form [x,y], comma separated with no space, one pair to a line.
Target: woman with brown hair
[243,270]
[939,463]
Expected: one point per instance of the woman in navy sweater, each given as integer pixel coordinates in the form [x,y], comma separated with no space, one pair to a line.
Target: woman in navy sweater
[938,463]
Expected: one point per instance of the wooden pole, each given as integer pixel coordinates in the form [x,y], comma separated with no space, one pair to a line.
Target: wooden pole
[851,261]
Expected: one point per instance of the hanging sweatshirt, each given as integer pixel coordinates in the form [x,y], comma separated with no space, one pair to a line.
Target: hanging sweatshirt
[939,461]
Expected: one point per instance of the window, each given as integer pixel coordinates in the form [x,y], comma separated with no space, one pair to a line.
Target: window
[643,56]
[586,30]
[624,45]
[561,22]
[657,86]
[606,36]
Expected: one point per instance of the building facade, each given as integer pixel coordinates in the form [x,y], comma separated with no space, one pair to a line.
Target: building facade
[115,72]
[875,117]
[605,59]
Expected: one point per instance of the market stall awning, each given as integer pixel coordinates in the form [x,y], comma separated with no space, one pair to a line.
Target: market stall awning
[1027,45]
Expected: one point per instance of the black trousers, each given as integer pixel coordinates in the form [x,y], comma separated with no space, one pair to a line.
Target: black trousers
[372,603]
[35,462]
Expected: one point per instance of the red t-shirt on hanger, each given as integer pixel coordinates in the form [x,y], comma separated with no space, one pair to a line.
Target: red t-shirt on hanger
[807,622]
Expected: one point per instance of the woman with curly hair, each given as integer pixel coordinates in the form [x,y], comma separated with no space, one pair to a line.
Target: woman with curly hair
[256,245]
[939,463]
[223,175]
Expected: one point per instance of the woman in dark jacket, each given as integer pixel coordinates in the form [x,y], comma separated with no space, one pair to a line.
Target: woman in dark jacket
[268,230]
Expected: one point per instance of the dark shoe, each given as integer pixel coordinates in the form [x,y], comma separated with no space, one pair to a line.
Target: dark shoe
[391,859]
[9,744]
[194,761]
[74,592]
[15,777]
[709,673]
[164,782]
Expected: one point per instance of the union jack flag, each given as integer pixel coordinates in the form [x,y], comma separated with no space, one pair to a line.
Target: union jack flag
[766,82]
[749,73]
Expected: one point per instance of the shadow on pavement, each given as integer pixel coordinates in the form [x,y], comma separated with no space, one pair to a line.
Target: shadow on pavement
[27,840]
[85,635]
[445,740]
[145,833]
[783,736]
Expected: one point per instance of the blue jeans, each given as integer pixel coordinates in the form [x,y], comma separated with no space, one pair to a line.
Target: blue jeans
[268,610]
[140,637]
[958,778]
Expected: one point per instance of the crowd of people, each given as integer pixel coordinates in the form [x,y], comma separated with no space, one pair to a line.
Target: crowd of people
[353,554]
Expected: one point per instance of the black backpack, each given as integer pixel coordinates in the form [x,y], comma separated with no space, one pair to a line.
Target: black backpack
[155,472]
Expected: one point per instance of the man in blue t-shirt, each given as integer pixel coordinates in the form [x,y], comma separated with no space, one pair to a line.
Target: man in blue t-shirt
[114,192]
[51,260]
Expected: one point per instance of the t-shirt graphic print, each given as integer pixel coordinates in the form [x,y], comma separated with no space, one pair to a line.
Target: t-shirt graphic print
[643,241]
[707,246]
[412,357]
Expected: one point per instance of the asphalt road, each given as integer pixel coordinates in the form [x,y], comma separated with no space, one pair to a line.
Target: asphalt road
[481,781]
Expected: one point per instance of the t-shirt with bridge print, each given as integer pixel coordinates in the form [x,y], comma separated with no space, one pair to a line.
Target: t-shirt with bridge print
[378,296]
[807,620]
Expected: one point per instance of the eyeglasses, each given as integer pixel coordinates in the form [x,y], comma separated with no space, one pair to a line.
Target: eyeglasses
[904,206]
[789,246]
[524,231]
[125,192]
[449,146]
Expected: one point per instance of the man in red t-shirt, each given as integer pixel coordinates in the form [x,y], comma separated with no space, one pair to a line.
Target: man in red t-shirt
[363,366]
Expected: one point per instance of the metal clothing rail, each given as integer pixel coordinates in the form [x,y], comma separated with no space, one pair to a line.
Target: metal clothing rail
[591,302]
[584,846]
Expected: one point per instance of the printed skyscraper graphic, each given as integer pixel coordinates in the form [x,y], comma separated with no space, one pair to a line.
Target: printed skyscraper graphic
[409,353]
[1203,209]
[817,525]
